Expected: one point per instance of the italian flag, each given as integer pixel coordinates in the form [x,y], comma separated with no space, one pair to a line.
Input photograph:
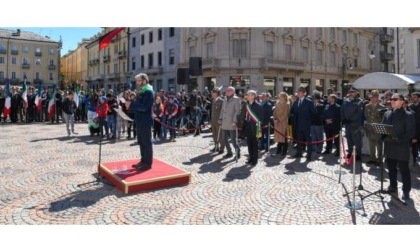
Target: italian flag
[76,96]
[38,100]
[51,103]
[8,102]
[25,93]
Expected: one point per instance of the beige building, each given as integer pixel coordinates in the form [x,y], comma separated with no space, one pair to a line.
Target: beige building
[74,67]
[28,54]
[409,50]
[108,69]
[280,59]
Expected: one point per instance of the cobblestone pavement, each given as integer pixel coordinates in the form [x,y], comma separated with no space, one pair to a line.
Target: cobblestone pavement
[41,169]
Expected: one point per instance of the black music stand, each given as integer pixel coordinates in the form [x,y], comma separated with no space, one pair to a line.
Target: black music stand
[387,130]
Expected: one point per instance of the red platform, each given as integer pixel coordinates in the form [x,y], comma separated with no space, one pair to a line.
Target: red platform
[129,180]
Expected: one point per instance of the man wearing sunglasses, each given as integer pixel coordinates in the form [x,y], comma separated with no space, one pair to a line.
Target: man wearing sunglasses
[397,149]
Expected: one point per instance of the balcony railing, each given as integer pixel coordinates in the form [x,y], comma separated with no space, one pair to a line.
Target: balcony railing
[385,56]
[38,53]
[100,77]
[3,51]
[122,54]
[210,63]
[15,52]
[386,38]
[154,70]
[282,64]
[106,58]
[25,66]
[128,73]
[51,67]
[113,76]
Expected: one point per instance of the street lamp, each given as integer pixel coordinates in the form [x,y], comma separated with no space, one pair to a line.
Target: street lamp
[344,66]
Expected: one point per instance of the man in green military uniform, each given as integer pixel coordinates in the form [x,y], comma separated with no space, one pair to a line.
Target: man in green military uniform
[374,112]
[216,108]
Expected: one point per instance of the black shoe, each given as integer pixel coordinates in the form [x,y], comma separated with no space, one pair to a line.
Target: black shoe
[391,190]
[143,167]
[297,156]
[228,155]
[254,163]
[220,152]
[249,161]
[371,162]
[136,165]
[326,152]
[336,153]
[406,196]
[214,149]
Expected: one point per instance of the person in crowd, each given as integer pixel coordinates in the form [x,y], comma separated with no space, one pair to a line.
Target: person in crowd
[195,112]
[397,147]
[171,111]
[331,119]
[228,120]
[142,106]
[16,100]
[91,103]
[164,130]
[241,117]
[2,102]
[302,110]
[268,113]
[157,113]
[351,117]
[58,105]
[317,132]
[254,118]
[121,122]
[94,126]
[101,111]
[281,122]
[374,112]
[112,114]
[216,108]
[31,110]
[130,113]
[69,108]
[45,98]
[415,108]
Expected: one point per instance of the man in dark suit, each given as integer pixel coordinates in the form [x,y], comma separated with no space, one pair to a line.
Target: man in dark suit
[397,150]
[331,119]
[254,117]
[268,113]
[303,109]
[142,107]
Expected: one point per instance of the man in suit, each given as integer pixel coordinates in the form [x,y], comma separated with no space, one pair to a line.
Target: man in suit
[397,149]
[142,107]
[351,117]
[254,118]
[228,120]
[268,113]
[332,124]
[303,109]
[415,107]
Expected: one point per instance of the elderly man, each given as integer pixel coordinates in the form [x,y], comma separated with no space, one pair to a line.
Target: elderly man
[228,120]
[254,118]
[374,112]
[351,117]
[142,107]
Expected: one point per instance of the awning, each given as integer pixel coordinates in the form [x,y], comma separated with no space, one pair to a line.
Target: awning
[382,80]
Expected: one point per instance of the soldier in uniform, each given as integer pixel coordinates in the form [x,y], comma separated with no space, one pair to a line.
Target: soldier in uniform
[351,117]
[216,108]
[373,114]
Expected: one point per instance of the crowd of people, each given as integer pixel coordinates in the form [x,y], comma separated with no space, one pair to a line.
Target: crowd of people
[307,122]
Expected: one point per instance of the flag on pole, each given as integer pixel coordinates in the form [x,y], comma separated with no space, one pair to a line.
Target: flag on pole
[105,39]
[25,93]
[51,103]
[38,100]
[8,102]
[76,96]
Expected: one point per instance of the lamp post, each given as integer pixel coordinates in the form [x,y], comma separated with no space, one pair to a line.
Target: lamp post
[344,85]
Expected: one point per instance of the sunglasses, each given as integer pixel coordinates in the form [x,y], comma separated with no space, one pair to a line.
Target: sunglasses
[395,99]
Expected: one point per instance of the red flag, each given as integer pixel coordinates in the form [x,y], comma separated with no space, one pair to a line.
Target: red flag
[105,39]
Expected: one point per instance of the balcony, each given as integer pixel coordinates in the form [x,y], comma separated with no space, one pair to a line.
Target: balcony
[15,52]
[128,74]
[100,77]
[385,56]
[3,51]
[25,66]
[14,81]
[154,70]
[38,54]
[113,76]
[51,67]
[93,62]
[386,38]
[211,64]
[267,63]
[106,58]
[122,54]
[37,81]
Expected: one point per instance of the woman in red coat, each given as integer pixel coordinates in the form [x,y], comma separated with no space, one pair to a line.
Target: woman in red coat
[101,110]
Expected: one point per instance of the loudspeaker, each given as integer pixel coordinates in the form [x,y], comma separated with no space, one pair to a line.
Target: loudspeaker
[183,76]
[196,66]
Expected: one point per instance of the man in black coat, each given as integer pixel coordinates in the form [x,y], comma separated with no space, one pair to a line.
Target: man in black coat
[303,109]
[332,124]
[397,149]
[268,113]
[254,116]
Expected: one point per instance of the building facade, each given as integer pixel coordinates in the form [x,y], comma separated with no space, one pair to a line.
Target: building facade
[156,52]
[28,54]
[108,68]
[279,59]
[409,50]
[74,67]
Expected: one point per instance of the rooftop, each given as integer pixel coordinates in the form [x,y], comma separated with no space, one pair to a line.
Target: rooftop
[24,35]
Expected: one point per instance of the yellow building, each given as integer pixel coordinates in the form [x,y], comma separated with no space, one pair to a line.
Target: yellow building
[28,54]
[74,67]
[108,69]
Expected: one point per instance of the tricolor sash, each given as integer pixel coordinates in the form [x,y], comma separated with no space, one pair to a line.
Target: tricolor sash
[255,119]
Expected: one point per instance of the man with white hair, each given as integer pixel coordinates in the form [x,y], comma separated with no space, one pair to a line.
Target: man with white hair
[228,119]
[142,107]
[254,117]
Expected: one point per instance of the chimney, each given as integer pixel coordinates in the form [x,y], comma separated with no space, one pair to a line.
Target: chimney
[17,33]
